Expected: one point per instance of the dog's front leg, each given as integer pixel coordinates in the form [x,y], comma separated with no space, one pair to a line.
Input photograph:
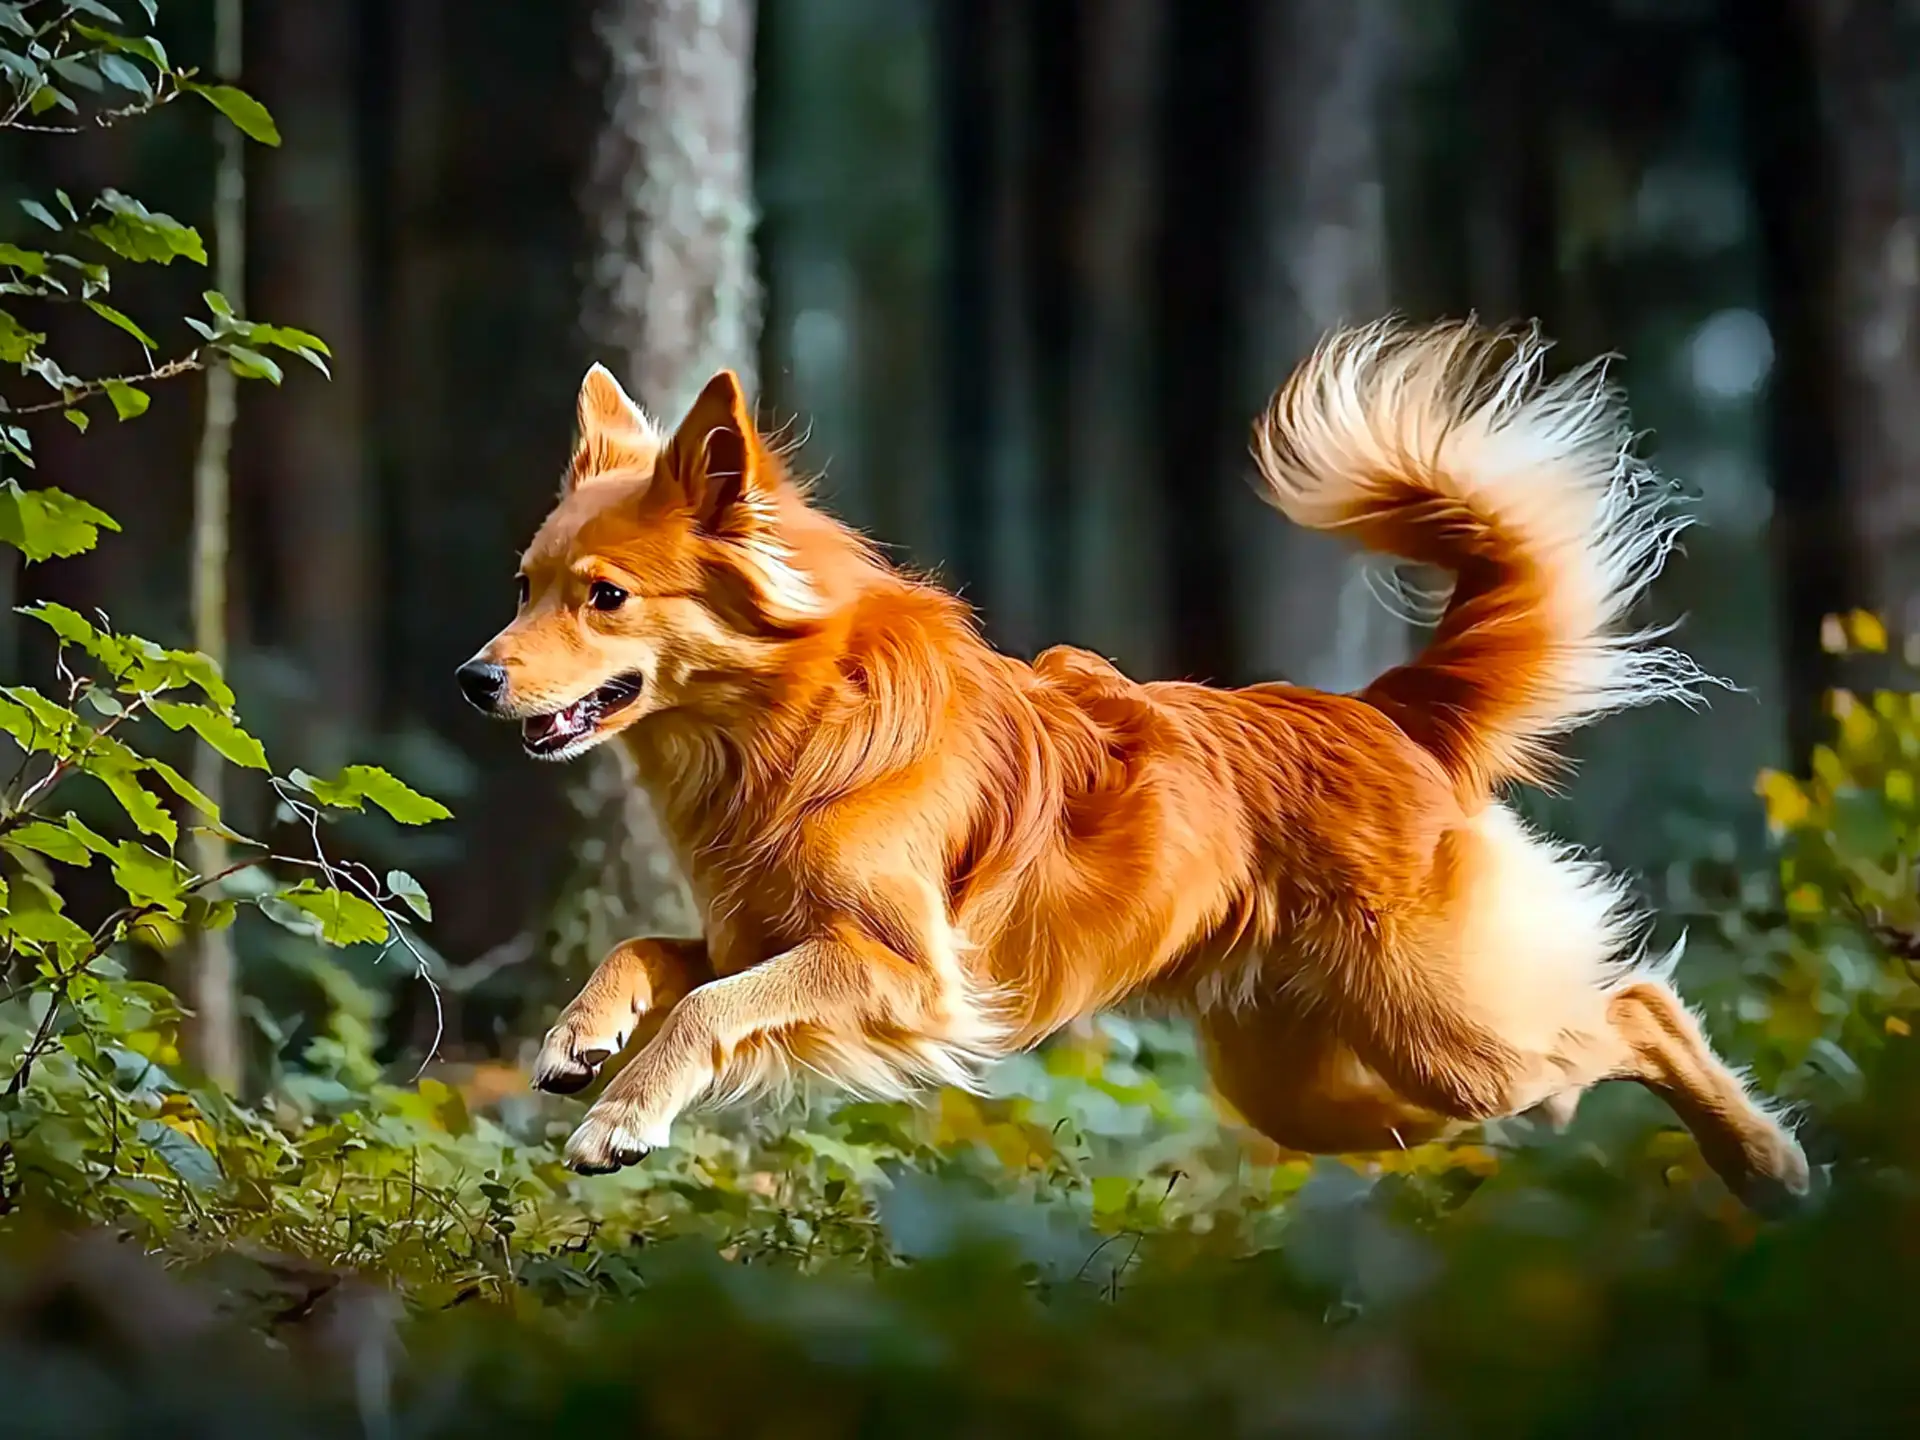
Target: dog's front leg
[830,982]
[639,977]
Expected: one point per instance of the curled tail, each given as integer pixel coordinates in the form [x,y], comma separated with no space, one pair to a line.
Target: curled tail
[1448,446]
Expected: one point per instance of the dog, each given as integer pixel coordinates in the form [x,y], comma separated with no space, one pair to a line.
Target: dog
[914,854]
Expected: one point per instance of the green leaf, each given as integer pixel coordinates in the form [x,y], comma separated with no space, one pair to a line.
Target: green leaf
[185,1156]
[114,317]
[140,803]
[17,342]
[46,523]
[77,419]
[124,73]
[75,629]
[360,783]
[75,71]
[148,878]
[219,731]
[403,885]
[129,401]
[12,19]
[1111,1193]
[137,233]
[250,364]
[44,719]
[47,98]
[56,842]
[45,927]
[169,669]
[344,919]
[96,8]
[184,788]
[40,213]
[248,115]
[28,262]
[206,914]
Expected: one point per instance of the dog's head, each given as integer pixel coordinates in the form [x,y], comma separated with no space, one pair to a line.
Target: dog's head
[666,577]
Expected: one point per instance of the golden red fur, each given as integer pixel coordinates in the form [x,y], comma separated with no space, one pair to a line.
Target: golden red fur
[914,854]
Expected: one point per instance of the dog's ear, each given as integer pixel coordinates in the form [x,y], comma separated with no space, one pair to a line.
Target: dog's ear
[615,434]
[717,462]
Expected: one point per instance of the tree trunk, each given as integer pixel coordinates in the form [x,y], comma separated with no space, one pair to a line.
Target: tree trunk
[212,984]
[1312,612]
[1116,582]
[672,297]
[672,294]
[310,276]
[1863,53]
[1201,418]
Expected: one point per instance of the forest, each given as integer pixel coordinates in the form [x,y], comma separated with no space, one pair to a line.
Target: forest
[295,299]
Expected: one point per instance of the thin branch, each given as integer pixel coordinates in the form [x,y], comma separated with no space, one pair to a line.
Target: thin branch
[93,389]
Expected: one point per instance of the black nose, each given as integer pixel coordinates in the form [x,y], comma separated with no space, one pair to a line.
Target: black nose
[482,683]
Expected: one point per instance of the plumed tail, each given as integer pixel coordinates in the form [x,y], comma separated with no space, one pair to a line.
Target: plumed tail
[1447,446]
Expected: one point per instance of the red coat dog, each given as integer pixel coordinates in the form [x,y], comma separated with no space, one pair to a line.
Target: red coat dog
[914,854]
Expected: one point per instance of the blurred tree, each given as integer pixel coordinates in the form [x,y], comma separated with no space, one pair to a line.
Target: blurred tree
[1115,571]
[1869,96]
[671,297]
[316,459]
[1823,155]
[1205,195]
[211,989]
[1319,237]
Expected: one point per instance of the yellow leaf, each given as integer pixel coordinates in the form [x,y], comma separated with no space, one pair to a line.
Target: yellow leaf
[1805,900]
[1786,801]
[1897,1026]
[1867,632]
[1899,787]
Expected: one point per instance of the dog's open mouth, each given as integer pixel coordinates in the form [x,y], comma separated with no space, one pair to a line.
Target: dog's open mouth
[561,733]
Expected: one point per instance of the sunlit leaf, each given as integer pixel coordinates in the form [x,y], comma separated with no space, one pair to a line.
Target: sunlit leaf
[114,317]
[344,919]
[219,731]
[358,784]
[47,523]
[248,115]
[129,401]
[133,231]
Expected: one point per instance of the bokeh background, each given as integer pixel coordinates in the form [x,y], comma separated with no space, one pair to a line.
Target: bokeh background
[1020,274]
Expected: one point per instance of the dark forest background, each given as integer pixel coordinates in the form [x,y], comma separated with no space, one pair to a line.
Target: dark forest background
[1021,274]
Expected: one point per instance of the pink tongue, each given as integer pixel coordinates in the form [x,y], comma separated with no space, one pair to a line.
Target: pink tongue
[560,725]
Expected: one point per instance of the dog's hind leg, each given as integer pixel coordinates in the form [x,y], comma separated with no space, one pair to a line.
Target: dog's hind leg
[1296,1082]
[1661,1046]
[638,978]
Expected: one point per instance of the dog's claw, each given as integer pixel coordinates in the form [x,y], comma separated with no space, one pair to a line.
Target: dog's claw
[564,1070]
[602,1145]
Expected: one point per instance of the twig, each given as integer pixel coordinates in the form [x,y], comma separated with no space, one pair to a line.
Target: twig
[94,389]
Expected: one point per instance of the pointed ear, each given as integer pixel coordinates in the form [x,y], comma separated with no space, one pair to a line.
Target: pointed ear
[715,459]
[615,433]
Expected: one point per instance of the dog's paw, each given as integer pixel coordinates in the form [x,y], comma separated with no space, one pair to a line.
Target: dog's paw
[612,1137]
[570,1057]
[1779,1180]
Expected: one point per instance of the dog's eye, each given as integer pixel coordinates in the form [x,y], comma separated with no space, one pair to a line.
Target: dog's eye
[522,589]
[603,596]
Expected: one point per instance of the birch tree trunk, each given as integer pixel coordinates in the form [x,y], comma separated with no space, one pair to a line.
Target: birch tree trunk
[212,983]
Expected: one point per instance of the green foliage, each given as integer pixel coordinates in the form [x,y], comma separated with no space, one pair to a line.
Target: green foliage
[51,50]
